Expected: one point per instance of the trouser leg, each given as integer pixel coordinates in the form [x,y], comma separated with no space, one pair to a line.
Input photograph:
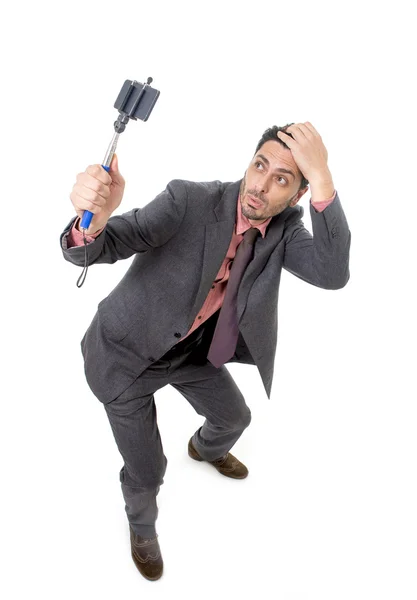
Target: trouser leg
[211,391]
[133,419]
[134,424]
[213,394]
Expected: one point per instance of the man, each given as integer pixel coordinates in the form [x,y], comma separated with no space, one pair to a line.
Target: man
[201,291]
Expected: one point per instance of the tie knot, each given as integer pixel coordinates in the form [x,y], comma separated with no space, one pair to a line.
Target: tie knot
[250,235]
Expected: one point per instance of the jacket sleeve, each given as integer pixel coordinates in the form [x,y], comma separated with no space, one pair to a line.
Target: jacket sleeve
[321,259]
[135,231]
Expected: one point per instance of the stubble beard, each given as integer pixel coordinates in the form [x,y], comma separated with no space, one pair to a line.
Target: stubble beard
[252,213]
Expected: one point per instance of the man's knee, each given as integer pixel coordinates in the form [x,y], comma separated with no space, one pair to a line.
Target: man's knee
[247,418]
[243,419]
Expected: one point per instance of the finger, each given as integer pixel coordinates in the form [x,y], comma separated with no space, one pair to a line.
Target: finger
[308,134]
[311,128]
[93,184]
[89,194]
[297,132]
[82,203]
[287,139]
[99,173]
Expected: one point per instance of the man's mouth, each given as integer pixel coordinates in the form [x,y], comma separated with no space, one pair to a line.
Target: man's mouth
[255,202]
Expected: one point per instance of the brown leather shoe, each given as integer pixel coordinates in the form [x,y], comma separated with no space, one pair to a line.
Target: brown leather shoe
[227,465]
[146,555]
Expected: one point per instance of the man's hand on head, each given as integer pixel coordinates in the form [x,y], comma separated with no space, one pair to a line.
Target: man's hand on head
[308,151]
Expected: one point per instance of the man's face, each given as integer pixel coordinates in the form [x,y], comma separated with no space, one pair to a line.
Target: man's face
[264,181]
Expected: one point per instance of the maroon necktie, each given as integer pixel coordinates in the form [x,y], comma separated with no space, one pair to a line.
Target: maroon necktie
[223,344]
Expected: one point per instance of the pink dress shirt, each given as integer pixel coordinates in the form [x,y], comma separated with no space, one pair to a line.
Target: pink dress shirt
[215,297]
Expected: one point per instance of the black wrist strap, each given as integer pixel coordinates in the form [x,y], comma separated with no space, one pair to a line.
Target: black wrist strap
[84,271]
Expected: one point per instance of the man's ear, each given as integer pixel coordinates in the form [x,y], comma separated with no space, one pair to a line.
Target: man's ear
[299,194]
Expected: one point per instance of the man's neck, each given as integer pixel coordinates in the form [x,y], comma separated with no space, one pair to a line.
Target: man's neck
[254,223]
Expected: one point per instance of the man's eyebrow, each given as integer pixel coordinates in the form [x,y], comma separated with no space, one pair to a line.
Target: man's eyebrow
[277,169]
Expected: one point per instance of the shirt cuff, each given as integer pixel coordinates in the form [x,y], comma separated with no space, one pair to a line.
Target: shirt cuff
[320,206]
[76,238]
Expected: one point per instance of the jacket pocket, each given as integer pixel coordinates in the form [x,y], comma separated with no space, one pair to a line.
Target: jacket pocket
[110,322]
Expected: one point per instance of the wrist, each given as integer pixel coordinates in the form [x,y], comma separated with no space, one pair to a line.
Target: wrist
[92,229]
[323,175]
[321,187]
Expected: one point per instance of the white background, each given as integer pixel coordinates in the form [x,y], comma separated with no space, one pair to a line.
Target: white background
[328,510]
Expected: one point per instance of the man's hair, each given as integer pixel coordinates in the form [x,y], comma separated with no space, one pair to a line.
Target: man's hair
[271,134]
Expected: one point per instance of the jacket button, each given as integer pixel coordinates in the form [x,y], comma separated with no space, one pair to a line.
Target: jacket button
[151,358]
[178,335]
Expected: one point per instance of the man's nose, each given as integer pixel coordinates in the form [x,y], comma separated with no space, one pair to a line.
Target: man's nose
[261,186]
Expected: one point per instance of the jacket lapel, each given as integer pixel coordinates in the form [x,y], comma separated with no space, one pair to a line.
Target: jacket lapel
[216,243]
[217,240]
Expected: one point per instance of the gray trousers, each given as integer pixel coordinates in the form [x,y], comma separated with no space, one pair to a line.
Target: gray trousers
[213,394]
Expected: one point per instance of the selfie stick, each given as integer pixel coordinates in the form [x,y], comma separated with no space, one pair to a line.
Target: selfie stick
[135,101]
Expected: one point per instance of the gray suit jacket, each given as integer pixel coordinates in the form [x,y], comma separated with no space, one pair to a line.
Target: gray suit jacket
[179,240]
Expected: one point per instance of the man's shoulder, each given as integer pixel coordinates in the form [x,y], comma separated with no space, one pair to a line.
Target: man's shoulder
[201,187]
[290,215]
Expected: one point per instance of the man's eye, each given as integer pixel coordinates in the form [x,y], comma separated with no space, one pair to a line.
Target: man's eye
[278,178]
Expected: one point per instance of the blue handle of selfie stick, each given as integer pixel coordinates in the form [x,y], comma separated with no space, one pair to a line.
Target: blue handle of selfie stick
[87,216]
